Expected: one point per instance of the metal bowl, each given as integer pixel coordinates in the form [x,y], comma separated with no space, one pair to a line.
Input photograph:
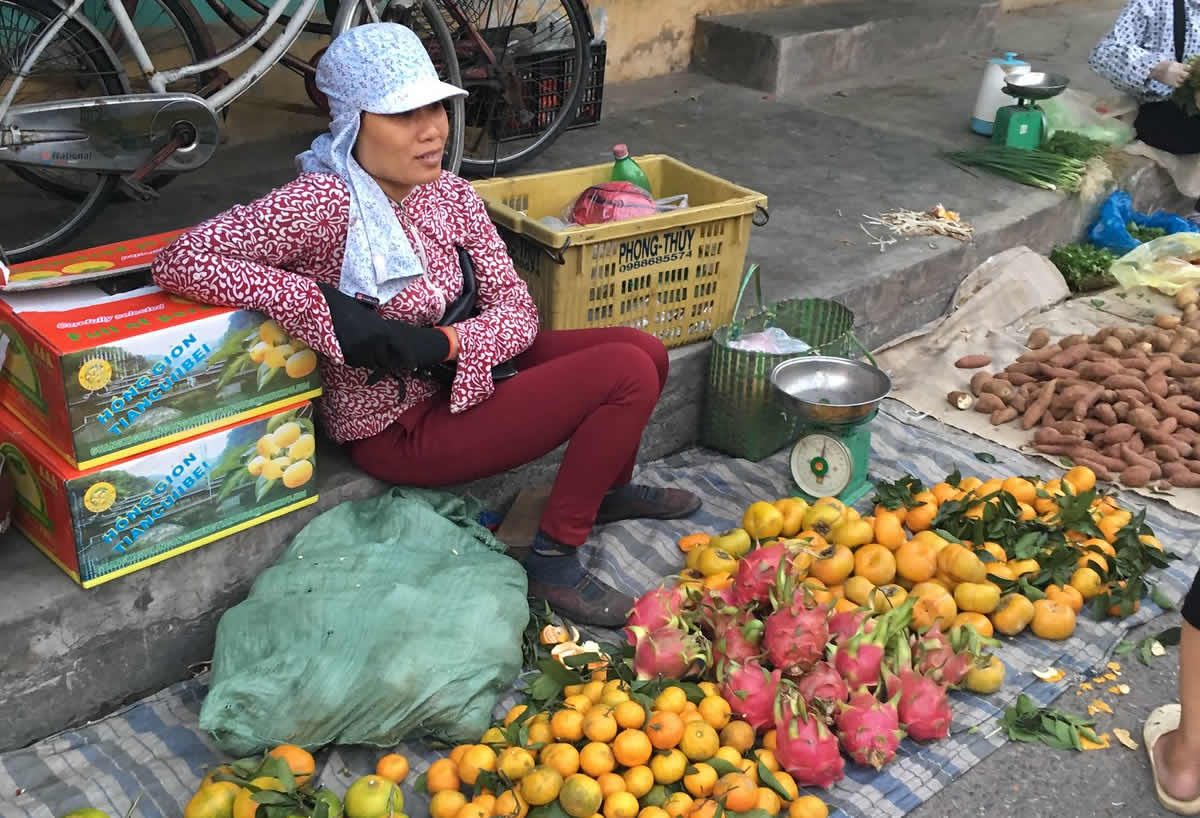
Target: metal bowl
[1036,85]
[834,391]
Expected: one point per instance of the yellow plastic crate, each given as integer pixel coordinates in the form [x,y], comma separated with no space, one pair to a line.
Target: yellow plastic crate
[673,274]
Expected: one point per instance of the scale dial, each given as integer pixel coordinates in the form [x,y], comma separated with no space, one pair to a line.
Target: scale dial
[822,465]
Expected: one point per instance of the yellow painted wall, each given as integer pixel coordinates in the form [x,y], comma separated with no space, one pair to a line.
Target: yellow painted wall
[647,38]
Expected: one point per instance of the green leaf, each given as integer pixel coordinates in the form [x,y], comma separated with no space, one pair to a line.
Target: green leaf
[947,536]
[582,659]
[1144,654]
[421,784]
[985,457]
[235,480]
[1160,599]
[273,798]
[278,768]
[246,767]
[265,374]
[551,810]
[1124,647]
[953,478]
[232,368]
[261,486]
[321,810]
[768,780]
[722,766]
[489,781]
[694,693]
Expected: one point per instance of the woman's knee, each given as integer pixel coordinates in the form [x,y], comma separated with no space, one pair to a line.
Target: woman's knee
[649,345]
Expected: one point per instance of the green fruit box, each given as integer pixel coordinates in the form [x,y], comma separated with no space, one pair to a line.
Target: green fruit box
[109,521]
[101,377]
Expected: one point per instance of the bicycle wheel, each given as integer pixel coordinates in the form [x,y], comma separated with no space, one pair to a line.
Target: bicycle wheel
[173,36]
[73,65]
[526,92]
[428,24]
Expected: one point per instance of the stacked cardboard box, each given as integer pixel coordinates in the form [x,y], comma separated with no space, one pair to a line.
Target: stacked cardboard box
[141,425]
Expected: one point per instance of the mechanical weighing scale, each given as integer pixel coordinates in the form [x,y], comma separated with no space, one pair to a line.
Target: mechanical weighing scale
[835,398]
[1024,125]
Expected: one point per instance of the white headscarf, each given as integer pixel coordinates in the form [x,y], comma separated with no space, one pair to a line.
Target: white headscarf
[381,68]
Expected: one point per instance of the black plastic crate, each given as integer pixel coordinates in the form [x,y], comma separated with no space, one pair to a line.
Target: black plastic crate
[544,77]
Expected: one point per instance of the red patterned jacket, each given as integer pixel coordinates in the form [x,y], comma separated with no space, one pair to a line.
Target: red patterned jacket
[268,256]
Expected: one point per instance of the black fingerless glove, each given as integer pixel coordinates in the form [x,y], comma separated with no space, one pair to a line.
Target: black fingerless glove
[385,346]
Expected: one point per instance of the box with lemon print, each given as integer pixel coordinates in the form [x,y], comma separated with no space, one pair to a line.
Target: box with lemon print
[105,522]
[101,377]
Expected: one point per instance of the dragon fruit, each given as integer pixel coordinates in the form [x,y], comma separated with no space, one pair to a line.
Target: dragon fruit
[751,691]
[717,607]
[806,748]
[844,624]
[869,729]
[756,575]
[859,661]
[668,652]
[796,637]
[738,639]
[923,705]
[822,684]
[936,656]
[655,609]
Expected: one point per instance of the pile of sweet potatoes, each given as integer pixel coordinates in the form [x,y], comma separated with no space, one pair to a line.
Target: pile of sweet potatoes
[1124,402]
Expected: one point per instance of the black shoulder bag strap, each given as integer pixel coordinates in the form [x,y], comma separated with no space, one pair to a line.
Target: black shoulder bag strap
[461,309]
[1180,30]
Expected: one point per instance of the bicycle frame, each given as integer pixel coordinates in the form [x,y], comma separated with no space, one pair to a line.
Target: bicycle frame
[159,80]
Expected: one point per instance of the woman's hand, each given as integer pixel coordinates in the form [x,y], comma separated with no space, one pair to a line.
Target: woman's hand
[1170,73]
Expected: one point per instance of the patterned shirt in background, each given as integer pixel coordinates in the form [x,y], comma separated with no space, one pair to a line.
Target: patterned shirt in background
[1142,37]
[270,254]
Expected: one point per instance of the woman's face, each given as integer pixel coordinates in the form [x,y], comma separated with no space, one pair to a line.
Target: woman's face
[402,151]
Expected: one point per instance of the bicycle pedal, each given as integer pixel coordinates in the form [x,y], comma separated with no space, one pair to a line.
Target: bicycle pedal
[138,190]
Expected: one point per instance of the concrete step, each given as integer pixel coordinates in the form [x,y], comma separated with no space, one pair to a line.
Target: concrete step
[782,51]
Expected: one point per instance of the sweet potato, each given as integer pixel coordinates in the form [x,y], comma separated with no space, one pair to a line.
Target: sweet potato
[1143,419]
[1038,338]
[1033,415]
[1002,416]
[1182,369]
[1001,389]
[1134,397]
[1060,372]
[1159,364]
[977,382]
[1099,370]
[1119,382]
[1180,476]
[973,361]
[1185,417]
[1070,356]
[1113,345]
[1165,321]
[1156,385]
[1136,443]
[1073,340]
[987,403]
[1116,434]
[1048,434]
[1084,405]
[1024,368]
[1136,476]
[1105,413]
[1126,335]
[1039,355]
[1162,433]
[1094,427]
[1143,347]
[1186,295]
[1182,343]
[1018,378]
[960,400]
[1164,453]
[1121,409]
[1019,401]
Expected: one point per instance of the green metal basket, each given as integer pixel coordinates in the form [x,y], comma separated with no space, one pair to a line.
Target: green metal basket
[743,415]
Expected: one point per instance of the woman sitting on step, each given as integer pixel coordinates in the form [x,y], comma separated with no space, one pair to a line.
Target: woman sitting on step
[1145,56]
[363,255]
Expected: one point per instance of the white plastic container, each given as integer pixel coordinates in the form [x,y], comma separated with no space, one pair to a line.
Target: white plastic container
[991,95]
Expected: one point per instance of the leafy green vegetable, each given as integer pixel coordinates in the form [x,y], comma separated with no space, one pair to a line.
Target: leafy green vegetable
[1185,95]
[1025,721]
[1038,168]
[1145,233]
[1075,145]
[1084,266]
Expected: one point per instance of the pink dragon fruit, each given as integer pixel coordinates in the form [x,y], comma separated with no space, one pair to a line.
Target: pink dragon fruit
[668,652]
[869,729]
[935,656]
[796,637]
[655,609]
[923,705]
[738,639]
[859,661]
[756,575]
[806,748]
[822,687]
[844,624]
[716,608]
[751,691]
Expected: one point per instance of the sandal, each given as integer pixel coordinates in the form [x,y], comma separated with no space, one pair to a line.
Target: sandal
[1164,719]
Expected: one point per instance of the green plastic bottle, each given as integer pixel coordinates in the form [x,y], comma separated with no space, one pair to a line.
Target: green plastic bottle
[627,170]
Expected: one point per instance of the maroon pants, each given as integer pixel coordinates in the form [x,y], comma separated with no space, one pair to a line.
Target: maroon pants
[595,388]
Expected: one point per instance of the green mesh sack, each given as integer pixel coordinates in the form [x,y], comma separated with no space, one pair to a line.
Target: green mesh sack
[388,619]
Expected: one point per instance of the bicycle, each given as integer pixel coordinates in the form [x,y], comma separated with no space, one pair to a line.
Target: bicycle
[78,147]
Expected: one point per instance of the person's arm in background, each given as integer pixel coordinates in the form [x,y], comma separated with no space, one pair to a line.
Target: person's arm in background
[1122,59]
[507,321]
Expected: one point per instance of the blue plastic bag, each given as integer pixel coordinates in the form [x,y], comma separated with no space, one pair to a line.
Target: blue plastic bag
[1110,232]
